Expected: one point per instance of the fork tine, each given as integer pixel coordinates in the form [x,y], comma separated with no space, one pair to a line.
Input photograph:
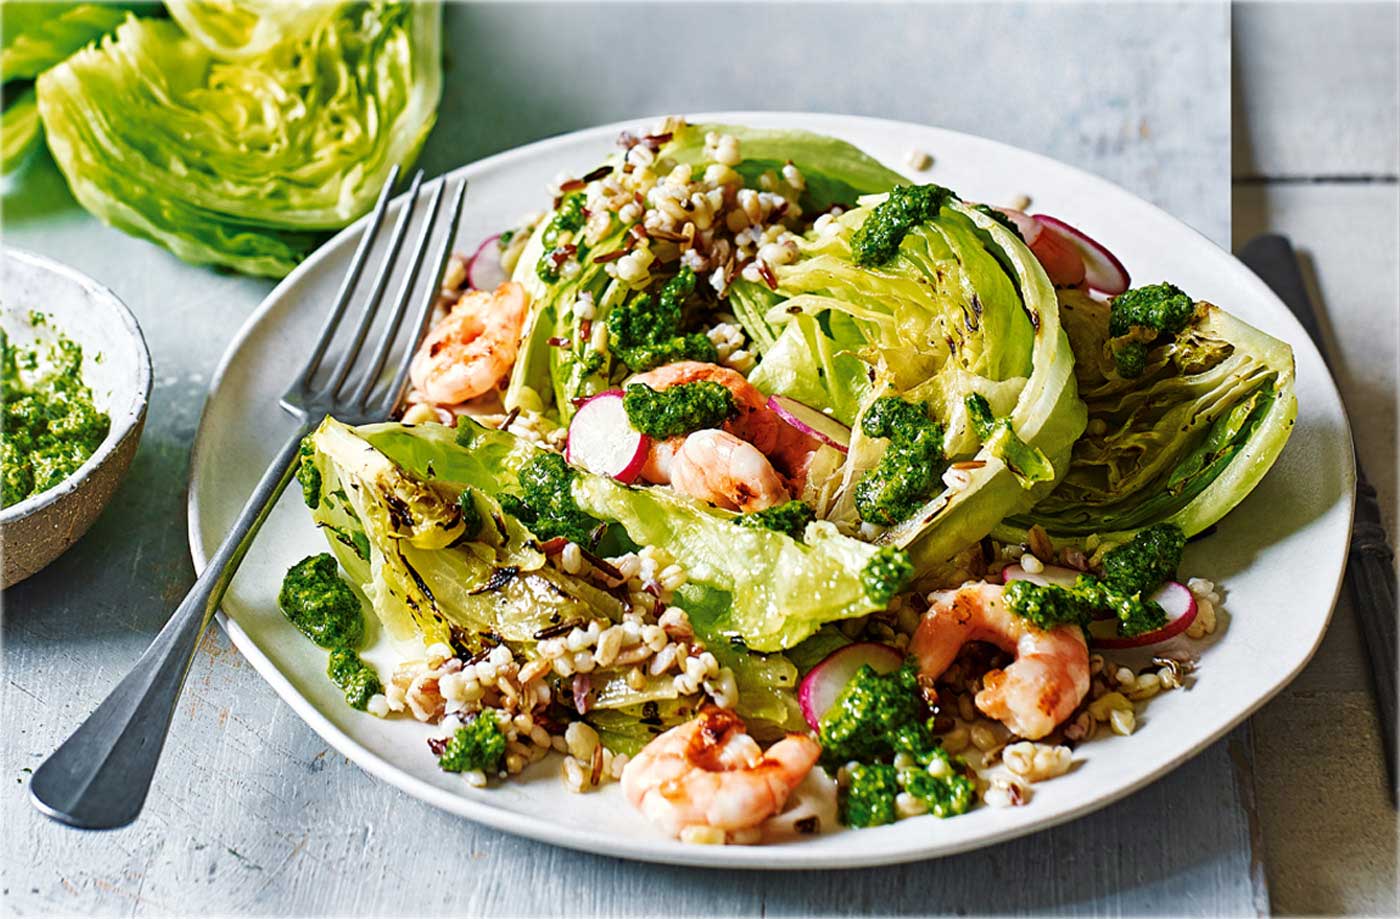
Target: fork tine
[425,308]
[352,277]
[371,307]
[391,328]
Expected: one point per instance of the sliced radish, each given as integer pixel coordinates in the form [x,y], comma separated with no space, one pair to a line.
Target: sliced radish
[603,441]
[1053,574]
[1059,257]
[484,271]
[811,421]
[824,682]
[1102,270]
[1030,230]
[1180,606]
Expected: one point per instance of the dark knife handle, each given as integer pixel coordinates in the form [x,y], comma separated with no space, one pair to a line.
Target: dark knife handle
[1371,581]
[1272,257]
[1370,574]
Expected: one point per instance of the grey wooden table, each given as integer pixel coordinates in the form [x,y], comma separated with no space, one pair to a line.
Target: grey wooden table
[1317,154]
[253,815]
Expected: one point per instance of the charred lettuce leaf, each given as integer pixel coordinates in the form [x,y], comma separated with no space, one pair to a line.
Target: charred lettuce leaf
[1183,441]
[959,307]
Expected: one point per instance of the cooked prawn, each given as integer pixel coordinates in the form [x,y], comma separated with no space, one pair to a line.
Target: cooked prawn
[468,352]
[793,455]
[717,467]
[1046,682]
[756,422]
[709,772]
[657,468]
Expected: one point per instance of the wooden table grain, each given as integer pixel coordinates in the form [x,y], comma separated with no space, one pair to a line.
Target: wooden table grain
[252,814]
[1317,155]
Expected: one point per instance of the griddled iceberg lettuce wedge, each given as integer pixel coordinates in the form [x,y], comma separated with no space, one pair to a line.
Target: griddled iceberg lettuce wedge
[959,307]
[400,535]
[388,495]
[1183,442]
[835,173]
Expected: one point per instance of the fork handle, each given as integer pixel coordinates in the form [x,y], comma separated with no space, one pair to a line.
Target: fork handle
[99,778]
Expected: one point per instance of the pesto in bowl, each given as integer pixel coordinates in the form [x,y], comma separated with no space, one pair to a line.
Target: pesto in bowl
[51,423]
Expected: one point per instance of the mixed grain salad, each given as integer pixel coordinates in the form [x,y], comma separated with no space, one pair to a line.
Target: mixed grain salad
[786,493]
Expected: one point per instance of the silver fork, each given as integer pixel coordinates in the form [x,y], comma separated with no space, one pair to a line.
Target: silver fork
[100,776]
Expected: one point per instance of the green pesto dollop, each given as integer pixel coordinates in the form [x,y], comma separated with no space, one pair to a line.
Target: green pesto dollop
[678,409]
[909,472]
[477,744]
[51,425]
[867,799]
[879,728]
[790,518]
[1145,561]
[568,218]
[316,600]
[645,332]
[877,239]
[471,514]
[307,473]
[1026,462]
[945,791]
[546,502]
[1139,318]
[355,678]
[1048,606]
[885,575]
[1131,572]
[864,721]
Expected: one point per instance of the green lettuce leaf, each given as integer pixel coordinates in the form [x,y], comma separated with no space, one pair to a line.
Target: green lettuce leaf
[777,590]
[1184,442]
[816,368]
[963,307]
[244,164]
[237,30]
[21,131]
[426,578]
[40,35]
[836,173]
[387,502]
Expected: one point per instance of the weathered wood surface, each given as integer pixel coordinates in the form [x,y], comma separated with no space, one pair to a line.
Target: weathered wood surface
[1315,91]
[252,814]
[1316,134]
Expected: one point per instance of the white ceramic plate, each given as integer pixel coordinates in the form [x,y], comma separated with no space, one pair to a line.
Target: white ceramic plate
[1279,555]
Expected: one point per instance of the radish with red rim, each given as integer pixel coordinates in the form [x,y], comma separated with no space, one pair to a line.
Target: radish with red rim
[484,271]
[1026,225]
[812,422]
[603,441]
[1059,258]
[1102,270]
[824,682]
[1175,599]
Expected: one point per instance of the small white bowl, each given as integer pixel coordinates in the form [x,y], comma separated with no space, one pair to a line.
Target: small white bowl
[116,367]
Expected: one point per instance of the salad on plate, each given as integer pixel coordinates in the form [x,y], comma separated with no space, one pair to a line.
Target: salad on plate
[786,493]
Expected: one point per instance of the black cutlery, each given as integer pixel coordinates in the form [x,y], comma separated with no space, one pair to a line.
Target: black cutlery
[1370,577]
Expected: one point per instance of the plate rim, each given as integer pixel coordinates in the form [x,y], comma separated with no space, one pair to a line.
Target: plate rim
[661,851]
